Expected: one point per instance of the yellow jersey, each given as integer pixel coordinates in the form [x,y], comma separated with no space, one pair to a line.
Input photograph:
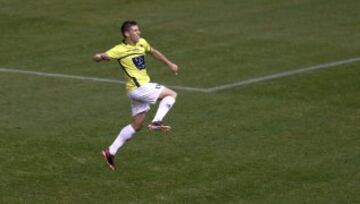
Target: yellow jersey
[132,60]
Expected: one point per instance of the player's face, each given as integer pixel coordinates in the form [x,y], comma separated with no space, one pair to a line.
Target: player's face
[133,34]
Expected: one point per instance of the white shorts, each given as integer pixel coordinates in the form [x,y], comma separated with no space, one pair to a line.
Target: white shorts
[142,97]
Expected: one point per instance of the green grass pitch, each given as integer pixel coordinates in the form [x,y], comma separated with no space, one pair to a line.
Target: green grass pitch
[289,140]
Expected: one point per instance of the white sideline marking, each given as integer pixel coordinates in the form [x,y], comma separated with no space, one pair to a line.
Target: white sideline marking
[205,90]
[283,74]
[45,74]
[18,71]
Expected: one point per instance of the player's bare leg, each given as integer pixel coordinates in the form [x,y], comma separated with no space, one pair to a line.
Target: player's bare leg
[167,97]
[125,134]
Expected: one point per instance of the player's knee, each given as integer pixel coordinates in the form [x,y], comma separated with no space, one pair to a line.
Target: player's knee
[138,121]
[174,94]
[137,126]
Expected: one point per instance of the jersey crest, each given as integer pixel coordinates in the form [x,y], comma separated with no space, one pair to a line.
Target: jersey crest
[139,62]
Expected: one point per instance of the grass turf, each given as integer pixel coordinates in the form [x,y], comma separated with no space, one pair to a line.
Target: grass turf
[290,140]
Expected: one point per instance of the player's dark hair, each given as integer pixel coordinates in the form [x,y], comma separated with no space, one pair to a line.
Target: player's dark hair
[126,26]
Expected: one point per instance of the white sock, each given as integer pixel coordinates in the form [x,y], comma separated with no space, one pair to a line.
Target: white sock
[164,107]
[126,133]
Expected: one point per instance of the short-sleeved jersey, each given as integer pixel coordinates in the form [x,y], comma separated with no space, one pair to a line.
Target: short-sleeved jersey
[132,60]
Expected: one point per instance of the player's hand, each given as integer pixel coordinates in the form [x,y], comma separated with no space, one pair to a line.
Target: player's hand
[97,57]
[174,68]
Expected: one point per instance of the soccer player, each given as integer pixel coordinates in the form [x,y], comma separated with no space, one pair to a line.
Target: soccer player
[130,54]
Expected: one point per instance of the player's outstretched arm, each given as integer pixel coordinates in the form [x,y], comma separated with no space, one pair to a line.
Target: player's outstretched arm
[98,57]
[159,56]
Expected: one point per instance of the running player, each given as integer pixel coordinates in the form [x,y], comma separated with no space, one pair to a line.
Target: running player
[130,55]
